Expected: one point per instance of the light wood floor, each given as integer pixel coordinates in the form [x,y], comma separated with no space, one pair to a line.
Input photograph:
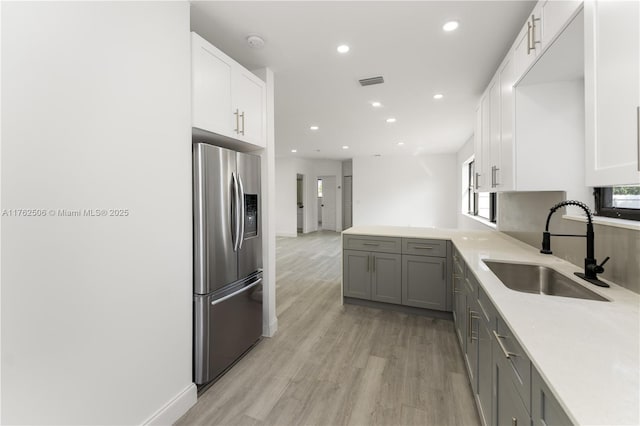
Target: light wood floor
[330,364]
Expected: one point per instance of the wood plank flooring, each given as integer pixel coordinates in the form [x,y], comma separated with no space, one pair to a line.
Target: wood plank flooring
[330,364]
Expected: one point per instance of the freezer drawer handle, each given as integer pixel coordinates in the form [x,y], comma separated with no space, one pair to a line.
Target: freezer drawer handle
[235,293]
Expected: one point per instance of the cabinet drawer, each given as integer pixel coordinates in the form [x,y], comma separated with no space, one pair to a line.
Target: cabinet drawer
[516,359]
[420,247]
[487,311]
[372,243]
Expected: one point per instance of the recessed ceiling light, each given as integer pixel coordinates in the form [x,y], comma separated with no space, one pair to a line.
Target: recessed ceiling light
[400,143]
[376,104]
[391,120]
[450,26]
[438,96]
[294,150]
[345,147]
[343,48]
[314,127]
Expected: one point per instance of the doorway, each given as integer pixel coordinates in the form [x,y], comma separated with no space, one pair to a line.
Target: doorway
[347,202]
[327,203]
[300,202]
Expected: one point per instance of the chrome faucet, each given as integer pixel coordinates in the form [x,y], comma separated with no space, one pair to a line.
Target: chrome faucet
[591,267]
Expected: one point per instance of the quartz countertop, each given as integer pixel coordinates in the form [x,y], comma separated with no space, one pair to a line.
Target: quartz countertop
[588,352]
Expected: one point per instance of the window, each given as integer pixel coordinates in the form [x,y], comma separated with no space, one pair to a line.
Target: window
[481,204]
[319,188]
[622,202]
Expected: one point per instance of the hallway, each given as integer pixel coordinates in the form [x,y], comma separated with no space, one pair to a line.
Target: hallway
[330,364]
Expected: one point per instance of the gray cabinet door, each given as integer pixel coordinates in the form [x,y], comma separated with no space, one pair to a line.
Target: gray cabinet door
[545,409]
[507,405]
[484,370]
[471,356]
[386,277]
[460,310]
[423,282]
[356,278]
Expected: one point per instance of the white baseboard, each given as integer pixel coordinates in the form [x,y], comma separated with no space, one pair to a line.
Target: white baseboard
[175,408]
[270,329]
[286,234]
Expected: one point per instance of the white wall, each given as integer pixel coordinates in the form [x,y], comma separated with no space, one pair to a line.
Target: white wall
[96,311]
[286,209]
[405,190]
[269,318]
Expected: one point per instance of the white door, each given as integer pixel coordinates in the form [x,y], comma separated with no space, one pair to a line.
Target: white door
[328,203]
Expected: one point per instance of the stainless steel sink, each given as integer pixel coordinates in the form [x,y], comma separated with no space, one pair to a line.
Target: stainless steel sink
[539,279]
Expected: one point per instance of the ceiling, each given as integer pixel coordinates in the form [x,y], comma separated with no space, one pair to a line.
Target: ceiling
[401,41]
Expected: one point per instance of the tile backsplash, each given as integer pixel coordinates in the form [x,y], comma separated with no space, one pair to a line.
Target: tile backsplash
[522,215]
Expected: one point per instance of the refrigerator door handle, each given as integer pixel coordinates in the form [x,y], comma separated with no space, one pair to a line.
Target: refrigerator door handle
[236,219]
[242,212]
[235,293]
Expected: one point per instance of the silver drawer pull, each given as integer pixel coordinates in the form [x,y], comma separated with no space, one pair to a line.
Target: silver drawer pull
[506,353]
[371,244]
[423,248]
[235,293]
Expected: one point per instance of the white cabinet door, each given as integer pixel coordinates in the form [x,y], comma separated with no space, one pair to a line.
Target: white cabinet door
[505,175]
[485,174]
[554,15]
[248,99]
[528,43]
[494,134]
[211,88]
[612,92]
[477,149]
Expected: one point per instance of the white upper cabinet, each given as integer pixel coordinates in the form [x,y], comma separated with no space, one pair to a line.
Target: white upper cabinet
[211,88]
[227,99]
[612,92]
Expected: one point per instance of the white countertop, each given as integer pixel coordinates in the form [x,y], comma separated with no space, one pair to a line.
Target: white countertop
[588,352]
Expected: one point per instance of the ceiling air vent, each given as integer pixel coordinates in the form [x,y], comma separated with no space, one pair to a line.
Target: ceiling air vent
[371,81]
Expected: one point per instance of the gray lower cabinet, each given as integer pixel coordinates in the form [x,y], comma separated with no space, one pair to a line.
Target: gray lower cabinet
[372,276]
[507,388]
[424,282]
[403,271]
[545,409]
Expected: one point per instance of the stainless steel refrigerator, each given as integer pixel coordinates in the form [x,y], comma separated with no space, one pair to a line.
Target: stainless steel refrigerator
[227,258]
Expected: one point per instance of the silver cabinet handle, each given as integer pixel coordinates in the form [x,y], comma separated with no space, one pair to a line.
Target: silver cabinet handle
[514,421]
[506,353]
[368,263]
[468,322]
[242,117]
[532,39]
[373,263]
[235,293]
[477,180]
[237,114]
[443,271]
[423,248]
[529,48]
[495,173]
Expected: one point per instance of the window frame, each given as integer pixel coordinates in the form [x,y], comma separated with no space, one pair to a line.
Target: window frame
[472,198]
[603,199]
